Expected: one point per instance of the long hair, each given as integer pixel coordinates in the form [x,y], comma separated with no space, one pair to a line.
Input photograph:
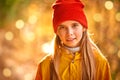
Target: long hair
[88,61]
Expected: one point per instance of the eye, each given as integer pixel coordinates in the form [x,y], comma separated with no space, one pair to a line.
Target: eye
[75,25]
[61,27]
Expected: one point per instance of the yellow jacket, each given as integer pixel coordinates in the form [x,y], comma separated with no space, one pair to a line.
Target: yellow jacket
[70,67]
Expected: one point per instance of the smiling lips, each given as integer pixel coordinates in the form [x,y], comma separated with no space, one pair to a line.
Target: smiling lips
[70,39]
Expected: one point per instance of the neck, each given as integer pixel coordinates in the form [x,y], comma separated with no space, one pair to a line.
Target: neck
[72,49]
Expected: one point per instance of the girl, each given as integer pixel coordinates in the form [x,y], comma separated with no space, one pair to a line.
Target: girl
[75,56]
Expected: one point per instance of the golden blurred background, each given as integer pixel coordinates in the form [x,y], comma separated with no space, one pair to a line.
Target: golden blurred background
[26,33]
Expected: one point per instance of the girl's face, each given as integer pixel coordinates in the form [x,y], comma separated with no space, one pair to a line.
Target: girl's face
[70,33]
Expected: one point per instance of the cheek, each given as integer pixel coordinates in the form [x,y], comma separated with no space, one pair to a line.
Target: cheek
[61,36]
[79,34]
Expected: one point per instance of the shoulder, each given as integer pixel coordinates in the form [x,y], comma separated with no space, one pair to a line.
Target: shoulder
[46,60]
[99,57]
[44,67]
[44,64]
[102,64]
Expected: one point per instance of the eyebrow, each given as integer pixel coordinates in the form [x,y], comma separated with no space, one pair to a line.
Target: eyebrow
[61,25]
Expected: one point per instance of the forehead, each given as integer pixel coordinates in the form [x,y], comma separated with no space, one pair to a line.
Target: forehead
[69,22]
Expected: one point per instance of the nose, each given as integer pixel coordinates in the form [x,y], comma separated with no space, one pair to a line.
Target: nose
[69,31]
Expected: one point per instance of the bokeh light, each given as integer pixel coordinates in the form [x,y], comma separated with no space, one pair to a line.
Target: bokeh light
[48,47]
[20,24]
[9,35]
[118,53]
[117,16]
[28,36]
[108,5]
[97,17]
[32,19]
[7,72]
[28,76]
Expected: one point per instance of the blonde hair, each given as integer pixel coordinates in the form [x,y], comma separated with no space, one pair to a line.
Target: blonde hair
[88,61]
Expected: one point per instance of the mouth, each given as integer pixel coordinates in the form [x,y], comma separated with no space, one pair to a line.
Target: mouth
[70,39]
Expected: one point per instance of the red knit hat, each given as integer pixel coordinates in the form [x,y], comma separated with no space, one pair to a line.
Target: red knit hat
[68,10]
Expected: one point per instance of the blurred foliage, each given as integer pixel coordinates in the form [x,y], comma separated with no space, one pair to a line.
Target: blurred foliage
[26,29]
[10,9]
